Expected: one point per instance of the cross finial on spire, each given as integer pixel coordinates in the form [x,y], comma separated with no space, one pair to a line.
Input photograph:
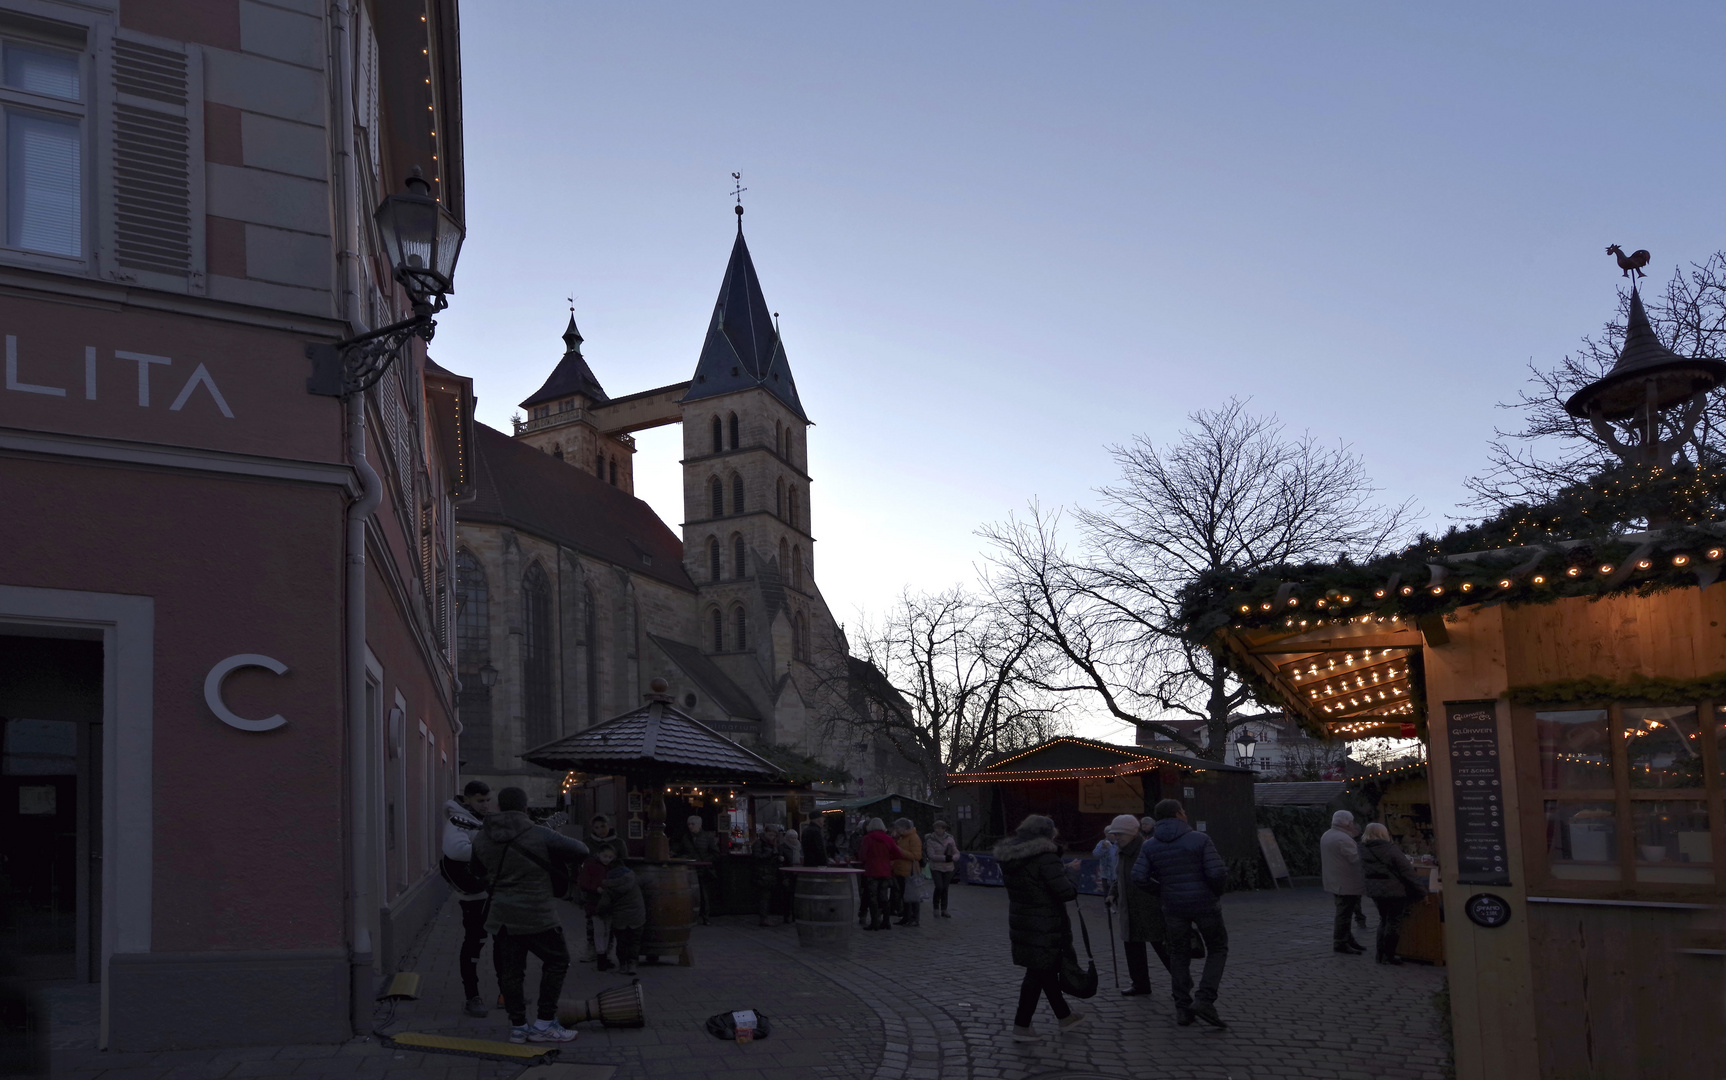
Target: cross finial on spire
[737,190]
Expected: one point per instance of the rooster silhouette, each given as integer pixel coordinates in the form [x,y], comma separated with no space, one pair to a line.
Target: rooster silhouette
[1632,263]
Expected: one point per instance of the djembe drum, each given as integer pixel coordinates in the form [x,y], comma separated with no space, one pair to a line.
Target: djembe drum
[619,1007]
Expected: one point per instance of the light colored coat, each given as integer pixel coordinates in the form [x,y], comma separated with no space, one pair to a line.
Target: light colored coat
[1339,863]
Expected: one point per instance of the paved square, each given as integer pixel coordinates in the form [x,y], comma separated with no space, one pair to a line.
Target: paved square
[911,1004]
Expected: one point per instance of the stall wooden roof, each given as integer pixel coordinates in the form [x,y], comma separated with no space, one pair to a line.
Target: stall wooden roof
[1353,679]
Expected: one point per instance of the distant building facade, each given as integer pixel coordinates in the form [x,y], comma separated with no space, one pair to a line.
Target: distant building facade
[1282,749]
[574,596]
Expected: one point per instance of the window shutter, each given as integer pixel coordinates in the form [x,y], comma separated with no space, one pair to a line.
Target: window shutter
[150,162]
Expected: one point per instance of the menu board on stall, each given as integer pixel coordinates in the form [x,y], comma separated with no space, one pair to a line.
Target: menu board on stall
[1477,791]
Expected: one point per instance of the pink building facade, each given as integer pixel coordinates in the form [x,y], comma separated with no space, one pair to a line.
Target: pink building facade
[226,607]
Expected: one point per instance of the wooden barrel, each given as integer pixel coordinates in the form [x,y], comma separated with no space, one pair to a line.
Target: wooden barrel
[826,907]
[670,892]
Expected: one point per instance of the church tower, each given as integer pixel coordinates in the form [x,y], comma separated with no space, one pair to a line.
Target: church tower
[748,544]
[563,419]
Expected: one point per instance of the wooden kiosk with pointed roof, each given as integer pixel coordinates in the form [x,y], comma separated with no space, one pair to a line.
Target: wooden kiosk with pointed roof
[1570,681]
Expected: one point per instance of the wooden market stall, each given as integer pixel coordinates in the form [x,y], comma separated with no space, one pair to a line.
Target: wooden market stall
[654,757]
[1566,665]
[1083,784]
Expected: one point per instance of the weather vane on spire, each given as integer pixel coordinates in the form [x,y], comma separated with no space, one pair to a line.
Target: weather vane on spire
[1632,263]
[737,190]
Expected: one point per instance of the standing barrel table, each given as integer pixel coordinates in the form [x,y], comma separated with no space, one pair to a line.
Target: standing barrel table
[825,905]
[670,891]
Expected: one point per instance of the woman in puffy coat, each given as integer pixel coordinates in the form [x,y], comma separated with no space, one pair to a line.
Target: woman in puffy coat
[876,852]
[1038,891]
[1391,881]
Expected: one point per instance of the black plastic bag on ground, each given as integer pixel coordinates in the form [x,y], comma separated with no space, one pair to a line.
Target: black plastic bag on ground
[724,1025]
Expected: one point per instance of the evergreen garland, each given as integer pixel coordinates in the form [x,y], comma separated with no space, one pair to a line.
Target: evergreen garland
[1575,545]
[1597,690]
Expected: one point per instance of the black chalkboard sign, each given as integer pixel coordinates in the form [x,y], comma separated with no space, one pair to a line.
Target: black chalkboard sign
[1477,790]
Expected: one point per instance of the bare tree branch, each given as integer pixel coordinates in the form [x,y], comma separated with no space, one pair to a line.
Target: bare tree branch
[1234,491]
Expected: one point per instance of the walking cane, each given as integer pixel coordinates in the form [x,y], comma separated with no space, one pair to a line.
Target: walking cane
[1114,965]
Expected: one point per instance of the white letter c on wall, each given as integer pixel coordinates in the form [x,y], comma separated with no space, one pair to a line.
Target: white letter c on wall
[213,691]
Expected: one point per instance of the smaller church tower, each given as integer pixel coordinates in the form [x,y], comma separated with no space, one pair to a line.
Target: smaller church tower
[562,419]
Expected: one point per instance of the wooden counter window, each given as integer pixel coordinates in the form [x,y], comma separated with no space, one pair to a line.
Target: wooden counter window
[1629,797]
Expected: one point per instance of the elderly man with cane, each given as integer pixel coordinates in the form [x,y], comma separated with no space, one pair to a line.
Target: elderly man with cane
[1139,909]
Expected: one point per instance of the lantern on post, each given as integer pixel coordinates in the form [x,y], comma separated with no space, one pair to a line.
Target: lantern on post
[1245,745]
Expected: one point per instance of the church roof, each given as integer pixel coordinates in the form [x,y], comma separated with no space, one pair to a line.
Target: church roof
[655,739]
[743,350]
[708,675]
[571,376]
[529,490]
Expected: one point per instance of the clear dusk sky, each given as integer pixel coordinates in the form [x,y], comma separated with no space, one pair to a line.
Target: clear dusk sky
[1003,236]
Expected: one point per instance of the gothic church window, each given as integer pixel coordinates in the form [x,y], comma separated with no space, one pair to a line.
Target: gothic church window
[557,451]
[741,618]
[590,652]
[718,436]
[537,650]
[718,631]
[717,491]
[738,557]
[737,493]
[792,503]
[599,466]
[779,499]
[733,431]
[713,558]
[784,560]
[797,568]
[473,652]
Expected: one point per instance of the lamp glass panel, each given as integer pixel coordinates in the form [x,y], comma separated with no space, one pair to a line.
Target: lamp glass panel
[1575,751]
[448,247]
[1663,748]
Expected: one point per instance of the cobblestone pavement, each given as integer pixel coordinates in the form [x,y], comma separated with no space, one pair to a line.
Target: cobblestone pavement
[911,1004]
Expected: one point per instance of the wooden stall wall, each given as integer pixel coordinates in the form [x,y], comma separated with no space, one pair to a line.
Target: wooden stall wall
[1492,998]
[1679,634]
[1620,998]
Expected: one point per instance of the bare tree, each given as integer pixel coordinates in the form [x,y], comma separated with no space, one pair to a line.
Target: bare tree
[1234,492]
[946,679]
[1554,450]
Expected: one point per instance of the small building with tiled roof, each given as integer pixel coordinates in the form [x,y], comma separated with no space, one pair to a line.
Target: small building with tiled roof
[1084,784]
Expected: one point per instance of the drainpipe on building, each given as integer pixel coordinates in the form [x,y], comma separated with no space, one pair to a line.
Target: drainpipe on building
[361,981]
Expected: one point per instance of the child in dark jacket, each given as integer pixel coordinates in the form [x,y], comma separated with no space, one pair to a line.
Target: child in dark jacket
[623,907]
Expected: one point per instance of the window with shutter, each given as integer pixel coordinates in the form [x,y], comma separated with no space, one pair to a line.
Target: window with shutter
[366,93]
[151,152]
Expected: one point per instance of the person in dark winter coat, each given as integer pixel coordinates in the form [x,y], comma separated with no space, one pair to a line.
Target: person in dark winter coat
[814,844]
[519,858]
[1185,866]
[1038,891]
[1140,909]
[702,846]
[1392,882]
[769,854]
[622,907]
[876,853]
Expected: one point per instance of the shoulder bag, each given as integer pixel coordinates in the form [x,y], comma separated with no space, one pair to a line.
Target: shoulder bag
[1077,981]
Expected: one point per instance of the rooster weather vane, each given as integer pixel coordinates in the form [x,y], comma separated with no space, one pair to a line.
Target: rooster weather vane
[1632,263]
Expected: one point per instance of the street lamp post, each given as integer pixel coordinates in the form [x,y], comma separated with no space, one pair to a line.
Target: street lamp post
[1245,744]
[422,241]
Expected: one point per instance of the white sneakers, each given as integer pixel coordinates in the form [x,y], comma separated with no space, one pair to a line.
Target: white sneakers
[541,1031]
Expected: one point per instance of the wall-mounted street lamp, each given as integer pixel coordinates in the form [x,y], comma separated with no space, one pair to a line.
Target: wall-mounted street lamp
[487,675]
[422,241]
[1245,744]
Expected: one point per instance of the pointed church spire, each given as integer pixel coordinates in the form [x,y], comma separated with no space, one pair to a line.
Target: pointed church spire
[743,350]
[572,377]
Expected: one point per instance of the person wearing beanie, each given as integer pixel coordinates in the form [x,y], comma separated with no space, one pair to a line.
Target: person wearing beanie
[1140,910]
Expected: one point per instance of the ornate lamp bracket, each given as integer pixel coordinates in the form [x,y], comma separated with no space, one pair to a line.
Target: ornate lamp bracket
[355,365]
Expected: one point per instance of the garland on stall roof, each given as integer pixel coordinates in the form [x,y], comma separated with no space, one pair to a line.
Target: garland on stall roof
[1575,545]
[1596,689]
